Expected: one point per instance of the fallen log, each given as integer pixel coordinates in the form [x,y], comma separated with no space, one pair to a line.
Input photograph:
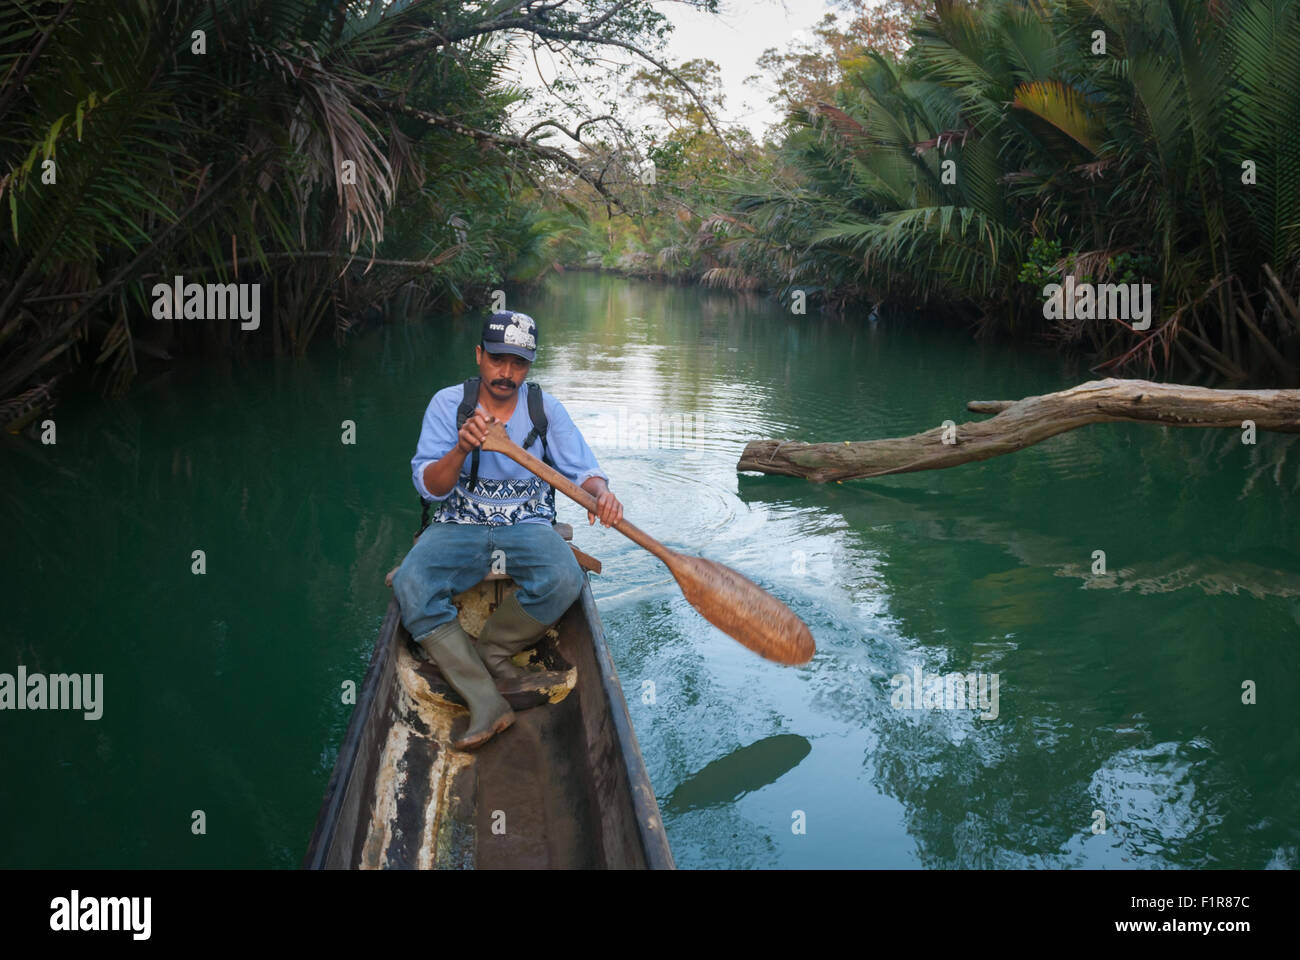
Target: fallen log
[1023,423]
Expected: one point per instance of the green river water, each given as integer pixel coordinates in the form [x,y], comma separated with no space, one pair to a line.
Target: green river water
[1118,692]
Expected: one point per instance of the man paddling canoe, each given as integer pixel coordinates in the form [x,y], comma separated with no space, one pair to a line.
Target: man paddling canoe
[493,504]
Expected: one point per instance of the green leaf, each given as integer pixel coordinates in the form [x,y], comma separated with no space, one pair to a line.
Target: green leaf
[53,135]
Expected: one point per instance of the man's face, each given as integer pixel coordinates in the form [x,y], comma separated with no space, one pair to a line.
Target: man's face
[502,372]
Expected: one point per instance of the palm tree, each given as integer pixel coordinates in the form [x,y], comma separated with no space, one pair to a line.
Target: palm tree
[1115,133]
[308,145]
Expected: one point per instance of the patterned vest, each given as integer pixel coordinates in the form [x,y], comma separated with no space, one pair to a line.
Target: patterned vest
[499,502]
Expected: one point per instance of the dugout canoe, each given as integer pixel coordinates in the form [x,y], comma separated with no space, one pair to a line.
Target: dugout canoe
[564,787]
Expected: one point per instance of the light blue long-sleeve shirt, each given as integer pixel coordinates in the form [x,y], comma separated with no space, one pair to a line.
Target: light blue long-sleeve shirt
[505,492]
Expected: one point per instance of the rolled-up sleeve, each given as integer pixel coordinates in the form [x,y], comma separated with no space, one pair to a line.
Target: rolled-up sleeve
[569,450]
[437,436]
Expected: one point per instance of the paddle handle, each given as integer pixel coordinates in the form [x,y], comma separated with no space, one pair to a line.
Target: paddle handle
[498,441]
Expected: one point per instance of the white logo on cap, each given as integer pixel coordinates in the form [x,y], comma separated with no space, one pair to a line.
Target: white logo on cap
[520,332]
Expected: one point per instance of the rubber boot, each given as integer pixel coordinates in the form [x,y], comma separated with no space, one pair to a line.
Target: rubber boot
[509,630]
[452,650]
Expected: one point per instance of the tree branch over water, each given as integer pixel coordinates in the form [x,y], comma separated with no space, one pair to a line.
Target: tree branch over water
[551,21]
[1023,423]
[538,150]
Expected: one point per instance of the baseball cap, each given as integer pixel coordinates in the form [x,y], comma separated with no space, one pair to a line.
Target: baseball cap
[511,332]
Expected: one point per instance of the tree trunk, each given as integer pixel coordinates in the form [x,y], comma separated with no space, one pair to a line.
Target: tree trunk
[1022,423]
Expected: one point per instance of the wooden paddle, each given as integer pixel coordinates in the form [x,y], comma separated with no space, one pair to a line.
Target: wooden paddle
[735,605]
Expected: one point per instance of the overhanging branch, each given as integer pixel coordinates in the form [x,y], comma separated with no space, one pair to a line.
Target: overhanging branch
[1023,423]
[534,21]
[538,150]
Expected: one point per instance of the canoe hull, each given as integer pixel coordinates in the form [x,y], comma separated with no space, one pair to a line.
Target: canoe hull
[564,788]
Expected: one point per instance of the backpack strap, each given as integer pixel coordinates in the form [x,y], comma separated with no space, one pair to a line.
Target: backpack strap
[466,410]
[537,414]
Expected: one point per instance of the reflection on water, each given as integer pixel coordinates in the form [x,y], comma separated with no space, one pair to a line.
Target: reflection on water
[990,567]
[1121,691]
[727,779]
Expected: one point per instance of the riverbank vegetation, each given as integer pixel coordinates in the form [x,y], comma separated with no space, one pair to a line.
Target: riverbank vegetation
[1016,144]
[936,157]
[332,152]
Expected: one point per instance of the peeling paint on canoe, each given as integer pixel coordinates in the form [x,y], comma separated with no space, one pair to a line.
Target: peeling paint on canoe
[419,713]
[388,781]
[561,690]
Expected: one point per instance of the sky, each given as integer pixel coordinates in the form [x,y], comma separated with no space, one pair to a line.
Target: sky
[733,39]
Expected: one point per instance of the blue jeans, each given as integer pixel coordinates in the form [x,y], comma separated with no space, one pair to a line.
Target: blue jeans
[452,557]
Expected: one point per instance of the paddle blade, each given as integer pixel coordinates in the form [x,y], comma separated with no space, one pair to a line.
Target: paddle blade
[743,610]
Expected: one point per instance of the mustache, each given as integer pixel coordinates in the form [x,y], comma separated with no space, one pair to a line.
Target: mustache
[504,383]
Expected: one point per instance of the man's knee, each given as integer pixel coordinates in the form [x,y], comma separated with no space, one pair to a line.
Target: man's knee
[553,587]
[415,580]
[404,583]
[569,578]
